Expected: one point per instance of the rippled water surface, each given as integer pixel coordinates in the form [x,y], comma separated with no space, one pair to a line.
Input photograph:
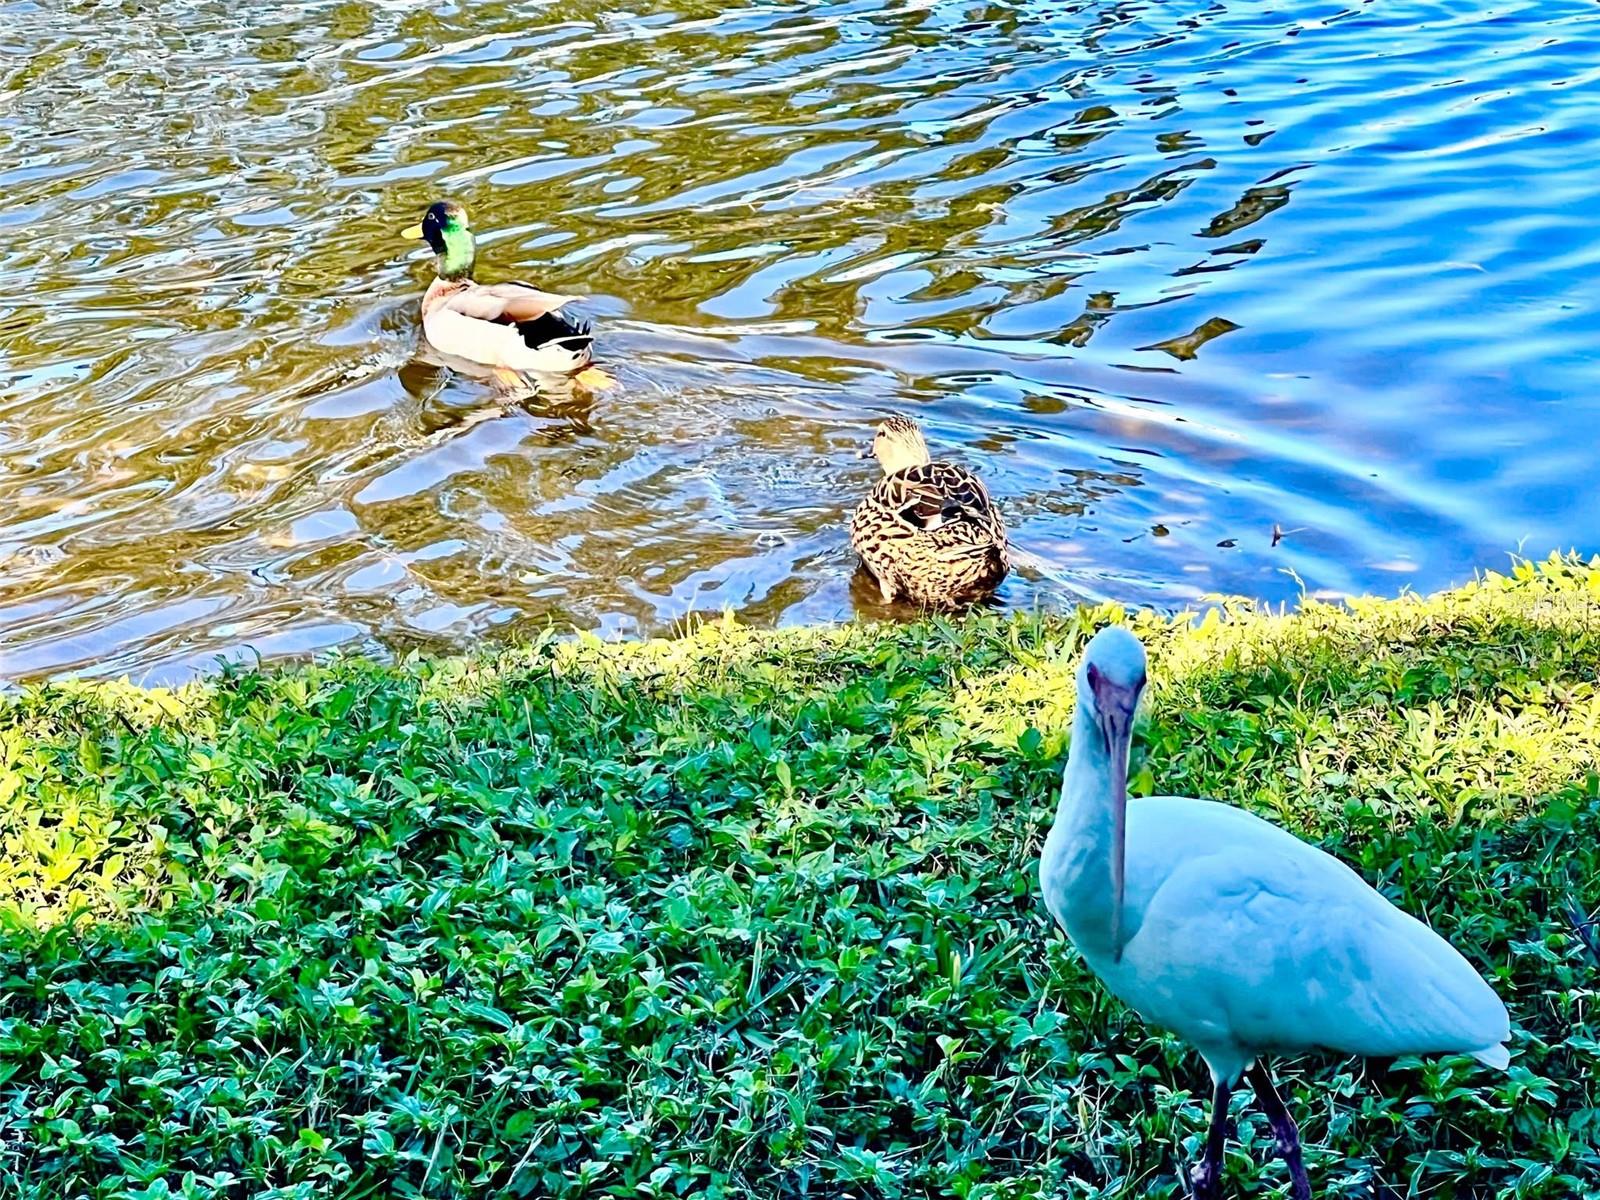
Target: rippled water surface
[1170,276]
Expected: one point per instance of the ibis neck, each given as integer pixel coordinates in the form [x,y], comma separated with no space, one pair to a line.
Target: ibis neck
[1079,848]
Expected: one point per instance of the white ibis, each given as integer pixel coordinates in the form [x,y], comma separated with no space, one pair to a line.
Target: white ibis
[1233,933]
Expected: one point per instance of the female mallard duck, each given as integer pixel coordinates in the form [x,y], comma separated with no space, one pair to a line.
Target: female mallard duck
[927,531]
[504,326]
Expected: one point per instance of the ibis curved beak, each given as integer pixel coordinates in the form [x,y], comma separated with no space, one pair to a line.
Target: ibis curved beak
[1114,708]
[414,233]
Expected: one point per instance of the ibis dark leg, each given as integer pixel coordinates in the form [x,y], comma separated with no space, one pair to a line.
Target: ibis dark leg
[1283,1131]
[1206,1180]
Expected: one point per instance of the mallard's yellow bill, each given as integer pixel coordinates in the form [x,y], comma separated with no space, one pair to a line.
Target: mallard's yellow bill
[413,234]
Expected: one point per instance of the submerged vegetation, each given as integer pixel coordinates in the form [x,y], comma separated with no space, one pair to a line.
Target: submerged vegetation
[755,913]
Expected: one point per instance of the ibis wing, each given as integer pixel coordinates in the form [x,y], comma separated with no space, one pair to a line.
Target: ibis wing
[1253,937]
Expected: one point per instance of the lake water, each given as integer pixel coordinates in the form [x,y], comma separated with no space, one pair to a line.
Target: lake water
[1169,276]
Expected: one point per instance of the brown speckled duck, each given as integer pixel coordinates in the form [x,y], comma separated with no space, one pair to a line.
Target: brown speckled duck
[507,327]
[927,531]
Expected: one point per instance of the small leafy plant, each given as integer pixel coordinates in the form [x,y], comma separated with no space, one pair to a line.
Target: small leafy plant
[755,913]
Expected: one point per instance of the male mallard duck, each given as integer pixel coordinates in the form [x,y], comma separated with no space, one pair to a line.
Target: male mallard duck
[927,531]
[504,326]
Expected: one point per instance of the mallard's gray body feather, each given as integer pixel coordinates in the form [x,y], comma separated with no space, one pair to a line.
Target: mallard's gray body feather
[507,325]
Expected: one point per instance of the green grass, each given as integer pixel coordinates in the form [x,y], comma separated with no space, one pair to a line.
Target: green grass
[753,913]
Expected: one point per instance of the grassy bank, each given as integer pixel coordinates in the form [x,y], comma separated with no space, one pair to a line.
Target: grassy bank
[756,914]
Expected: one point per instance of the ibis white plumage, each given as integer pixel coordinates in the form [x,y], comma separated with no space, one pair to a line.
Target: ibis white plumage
[1234,934]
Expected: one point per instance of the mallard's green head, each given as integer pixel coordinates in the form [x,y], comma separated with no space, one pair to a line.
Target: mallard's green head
[444,227]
